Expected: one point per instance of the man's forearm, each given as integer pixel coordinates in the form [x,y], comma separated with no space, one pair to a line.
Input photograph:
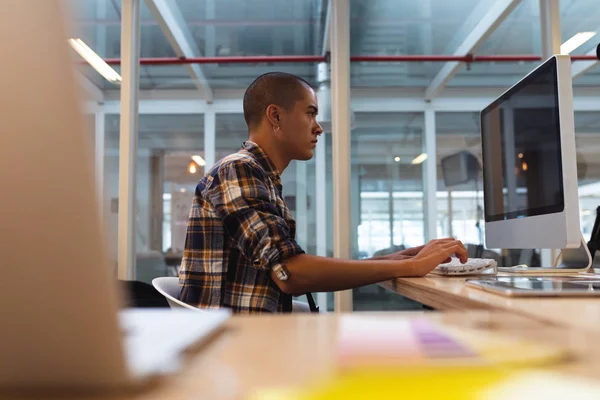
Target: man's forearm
[321,274]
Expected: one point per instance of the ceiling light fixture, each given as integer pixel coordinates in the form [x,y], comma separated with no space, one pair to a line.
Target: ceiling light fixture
[192,168]
[397,159]
[419,159]
[199,160]
[95,61]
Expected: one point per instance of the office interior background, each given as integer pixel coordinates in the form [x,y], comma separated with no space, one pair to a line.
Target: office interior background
[415,97]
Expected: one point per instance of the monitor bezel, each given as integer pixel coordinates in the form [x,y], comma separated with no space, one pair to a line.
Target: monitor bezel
[528,212]
[554,230]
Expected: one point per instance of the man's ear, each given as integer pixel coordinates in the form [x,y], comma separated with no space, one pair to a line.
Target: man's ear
[273,115]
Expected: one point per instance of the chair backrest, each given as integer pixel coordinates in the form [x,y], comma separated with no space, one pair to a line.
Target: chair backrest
[169,287]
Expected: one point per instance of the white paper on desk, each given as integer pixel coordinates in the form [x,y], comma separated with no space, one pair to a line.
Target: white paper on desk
[543,385]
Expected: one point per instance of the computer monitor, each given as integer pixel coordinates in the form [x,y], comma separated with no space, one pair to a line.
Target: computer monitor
[460,168]
[529,162]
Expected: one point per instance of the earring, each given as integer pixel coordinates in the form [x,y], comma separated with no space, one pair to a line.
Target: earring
[276,128]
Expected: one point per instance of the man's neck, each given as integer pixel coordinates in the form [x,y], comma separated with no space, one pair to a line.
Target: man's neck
[279,161]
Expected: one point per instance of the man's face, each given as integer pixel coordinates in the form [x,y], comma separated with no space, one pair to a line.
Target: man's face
[299,127]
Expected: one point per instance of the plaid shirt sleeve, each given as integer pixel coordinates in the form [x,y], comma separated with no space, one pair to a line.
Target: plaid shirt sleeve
[248,209]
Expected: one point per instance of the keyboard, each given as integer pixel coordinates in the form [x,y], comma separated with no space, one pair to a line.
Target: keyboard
[473,266]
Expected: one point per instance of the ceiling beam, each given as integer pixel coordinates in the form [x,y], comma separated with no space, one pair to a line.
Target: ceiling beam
[497,12]
[581,67]
[174,27]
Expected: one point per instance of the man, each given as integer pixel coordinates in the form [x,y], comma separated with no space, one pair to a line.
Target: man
[240,250]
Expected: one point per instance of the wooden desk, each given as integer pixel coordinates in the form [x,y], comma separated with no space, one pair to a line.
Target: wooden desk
[452,293]
[261,352]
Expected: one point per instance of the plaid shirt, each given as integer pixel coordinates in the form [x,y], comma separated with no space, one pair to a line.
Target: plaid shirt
[239,229]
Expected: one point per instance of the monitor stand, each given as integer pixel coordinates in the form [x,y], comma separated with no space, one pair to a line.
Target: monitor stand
[578,260]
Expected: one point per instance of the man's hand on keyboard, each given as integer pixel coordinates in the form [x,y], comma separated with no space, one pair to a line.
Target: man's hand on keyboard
[413,251]
[437,252]
[402,254]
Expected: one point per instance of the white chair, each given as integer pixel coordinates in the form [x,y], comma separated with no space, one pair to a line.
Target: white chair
[169,287]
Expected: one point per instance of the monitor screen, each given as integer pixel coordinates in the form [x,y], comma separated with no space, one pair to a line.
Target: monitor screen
[521,142]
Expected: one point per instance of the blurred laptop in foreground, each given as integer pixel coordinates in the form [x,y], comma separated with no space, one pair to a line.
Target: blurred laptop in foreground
[59,308]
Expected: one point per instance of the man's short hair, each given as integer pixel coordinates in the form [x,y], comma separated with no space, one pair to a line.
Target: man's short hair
[278,88]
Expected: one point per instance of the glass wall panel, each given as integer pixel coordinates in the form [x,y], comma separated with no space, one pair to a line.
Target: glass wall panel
[387,195]
[166,178]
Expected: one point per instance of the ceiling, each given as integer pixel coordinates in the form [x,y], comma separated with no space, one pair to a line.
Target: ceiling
[378,27]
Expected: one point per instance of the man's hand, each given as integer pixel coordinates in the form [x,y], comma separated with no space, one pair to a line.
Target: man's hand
[399,255]
[394,256]
[413,251]
[437,252]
